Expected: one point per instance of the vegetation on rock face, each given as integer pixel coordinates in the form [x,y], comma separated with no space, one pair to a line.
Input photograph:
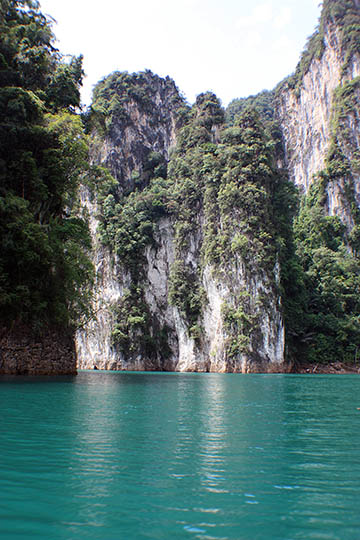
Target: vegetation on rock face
[221,189]
[136,114]
[284,207]
[320,273]
[44,271]
[140,196]
[345,16]
[114,94]
[128,227]
[262,102]
[326,246]
[137,331]
[328,249]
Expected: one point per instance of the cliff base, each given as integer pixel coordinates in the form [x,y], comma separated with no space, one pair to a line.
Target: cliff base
[24,353]
[336,368]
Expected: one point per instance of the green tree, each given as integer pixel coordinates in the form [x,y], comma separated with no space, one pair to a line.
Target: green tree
[45,274]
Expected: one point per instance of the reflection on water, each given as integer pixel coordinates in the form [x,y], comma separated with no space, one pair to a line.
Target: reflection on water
[122,455]
[213,438]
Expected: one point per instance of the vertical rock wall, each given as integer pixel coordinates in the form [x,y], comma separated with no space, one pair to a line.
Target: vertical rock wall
[123,150]
[135,131]
[309,122]
[305,115]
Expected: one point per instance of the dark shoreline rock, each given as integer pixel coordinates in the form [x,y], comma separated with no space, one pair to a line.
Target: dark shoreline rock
[22,352]
[335,368]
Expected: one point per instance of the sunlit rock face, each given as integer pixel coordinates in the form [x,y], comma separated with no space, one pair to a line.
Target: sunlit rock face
[145,118]
[93,341]
[305,116]
[142,125]
[266,348]
[308,120]
[136,131]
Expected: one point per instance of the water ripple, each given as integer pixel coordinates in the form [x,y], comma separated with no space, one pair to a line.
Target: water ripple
[164,456]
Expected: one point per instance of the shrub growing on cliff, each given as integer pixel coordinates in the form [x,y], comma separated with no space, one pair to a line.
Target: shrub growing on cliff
[345,15]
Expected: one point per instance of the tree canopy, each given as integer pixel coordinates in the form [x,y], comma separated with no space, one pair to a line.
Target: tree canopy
[44,269]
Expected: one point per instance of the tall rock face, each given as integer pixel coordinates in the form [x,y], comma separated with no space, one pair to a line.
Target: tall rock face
[311,110]
[135,117]
[133,128]
[224,282]
[188,274]
[200,263]
[318,111]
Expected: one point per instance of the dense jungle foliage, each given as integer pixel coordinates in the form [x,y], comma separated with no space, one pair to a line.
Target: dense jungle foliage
[45,274]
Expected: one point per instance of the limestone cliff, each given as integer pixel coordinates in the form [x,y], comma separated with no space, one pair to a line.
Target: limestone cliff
[307,107]
[137,114]
[318,111]
[134,117]
[198,265]
[163,303]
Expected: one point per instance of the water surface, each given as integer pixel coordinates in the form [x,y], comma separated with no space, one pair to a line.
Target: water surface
[180,456]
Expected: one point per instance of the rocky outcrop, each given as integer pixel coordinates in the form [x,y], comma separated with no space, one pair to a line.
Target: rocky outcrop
[305,113]
[143,124]
[175,346]
[94,343]
[142,121]
[237,322]
[310,120]
[265,352]
[22,353]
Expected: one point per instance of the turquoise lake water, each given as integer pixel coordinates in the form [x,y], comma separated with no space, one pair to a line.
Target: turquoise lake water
[180,456]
